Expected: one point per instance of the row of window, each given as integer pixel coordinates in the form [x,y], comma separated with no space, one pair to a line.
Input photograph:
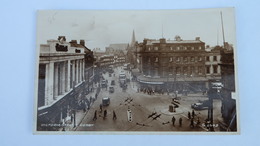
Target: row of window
[174,48]
[177,59]
[191,70]
[214,58]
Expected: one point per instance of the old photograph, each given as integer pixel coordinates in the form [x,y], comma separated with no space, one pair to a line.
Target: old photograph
[136,71]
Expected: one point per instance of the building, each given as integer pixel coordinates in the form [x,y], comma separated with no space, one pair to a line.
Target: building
[61,81]
[172,65]
[113,48]
[228,108]
[212,63]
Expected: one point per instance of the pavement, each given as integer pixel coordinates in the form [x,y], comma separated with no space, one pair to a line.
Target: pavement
[80,114]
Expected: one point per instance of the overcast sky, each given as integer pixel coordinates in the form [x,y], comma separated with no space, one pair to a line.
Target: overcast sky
[99,28]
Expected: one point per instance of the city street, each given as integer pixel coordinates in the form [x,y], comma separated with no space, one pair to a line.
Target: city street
[148,112]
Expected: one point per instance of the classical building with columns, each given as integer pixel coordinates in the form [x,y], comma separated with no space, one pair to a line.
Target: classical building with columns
[60,81]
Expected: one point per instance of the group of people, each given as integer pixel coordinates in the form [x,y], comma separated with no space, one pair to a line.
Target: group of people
[174,119]
[104,114]
[191,117]
[150,91]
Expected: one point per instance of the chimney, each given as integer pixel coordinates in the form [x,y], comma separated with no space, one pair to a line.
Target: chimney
[73,41]
[162,40]
[82,42]
[62,38]
[197,38]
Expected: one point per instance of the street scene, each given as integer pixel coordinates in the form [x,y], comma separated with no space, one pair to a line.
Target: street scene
[109,72]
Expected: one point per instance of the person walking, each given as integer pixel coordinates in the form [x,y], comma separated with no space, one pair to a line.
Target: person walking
[180,122]
[189,115]
[173,120]
[114,115]
[191,123]
[95,116]
[105,114]
[193,114]
[100,107]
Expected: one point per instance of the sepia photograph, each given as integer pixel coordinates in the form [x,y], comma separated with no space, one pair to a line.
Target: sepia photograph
[136,72]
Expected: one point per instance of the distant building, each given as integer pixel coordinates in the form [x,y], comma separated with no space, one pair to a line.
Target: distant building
[113,48]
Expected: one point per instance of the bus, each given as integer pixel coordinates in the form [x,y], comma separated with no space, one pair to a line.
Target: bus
[122,78]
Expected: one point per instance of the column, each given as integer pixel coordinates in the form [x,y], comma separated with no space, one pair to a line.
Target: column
[80,73]
[83,70]
[68,76]
[56,80]
[73,73]
[47,98]
[63,72]
[77,72]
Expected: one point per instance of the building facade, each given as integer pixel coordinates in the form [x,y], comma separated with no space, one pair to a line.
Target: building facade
[212,63]
[61,81]
[177,65]
[228,108]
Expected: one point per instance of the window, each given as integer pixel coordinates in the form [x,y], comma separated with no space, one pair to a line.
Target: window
[215,69]
[149,49]
[178,59]
[156,48]
[170,60]
[178,48]
[156,59]
[192,48]
[214,58]
[185,70]
[199,47]
[171,48]
[208,69]
[207,58]
[185,48]
[192,59]
[185,59]
[191,70]
[200,70]
[200,58]
[181,47]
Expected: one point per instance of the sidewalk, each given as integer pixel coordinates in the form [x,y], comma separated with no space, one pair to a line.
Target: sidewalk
[80,114]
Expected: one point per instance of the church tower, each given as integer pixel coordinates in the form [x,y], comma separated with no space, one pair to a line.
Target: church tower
[133,39]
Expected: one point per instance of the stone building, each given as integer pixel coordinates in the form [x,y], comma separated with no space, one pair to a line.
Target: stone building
[61,81]
[173,65]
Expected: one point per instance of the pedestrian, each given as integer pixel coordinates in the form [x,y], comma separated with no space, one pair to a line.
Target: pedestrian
[100,106]
[105,113]
[189,115]
[193,114]
[180,122]
[95,116]
[114,115]
[198,121]
[191,123]
[173,120]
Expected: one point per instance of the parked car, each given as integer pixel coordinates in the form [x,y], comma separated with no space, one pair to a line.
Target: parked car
[113,82]
[201,105]
[105,101]
[111,89]
[103,84]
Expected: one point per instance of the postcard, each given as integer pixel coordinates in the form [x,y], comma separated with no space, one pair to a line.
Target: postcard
[136,72]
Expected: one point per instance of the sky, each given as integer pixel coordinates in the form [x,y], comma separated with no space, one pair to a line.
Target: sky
[99,28]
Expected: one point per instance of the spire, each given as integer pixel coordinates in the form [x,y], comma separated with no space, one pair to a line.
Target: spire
[133,39]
